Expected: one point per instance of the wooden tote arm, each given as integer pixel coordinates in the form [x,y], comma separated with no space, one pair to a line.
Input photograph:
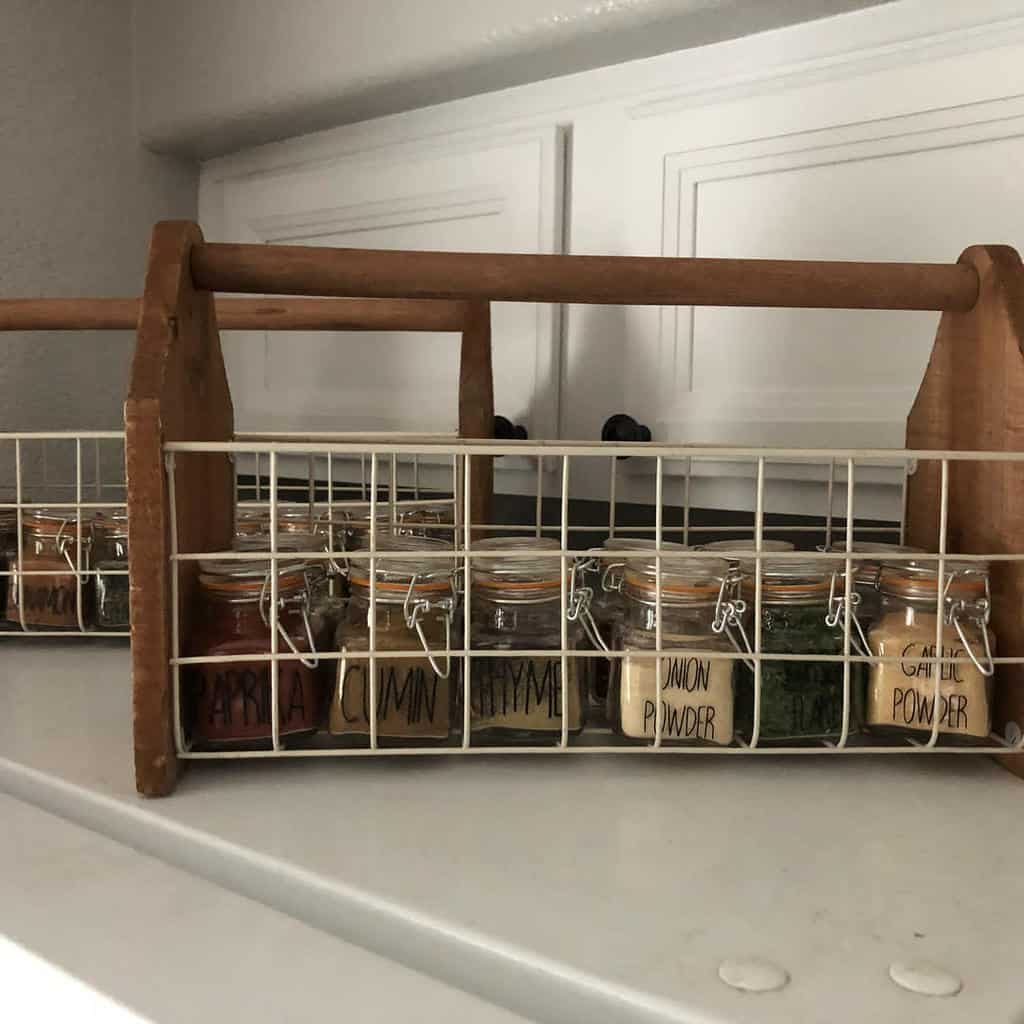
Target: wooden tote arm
[627,280]
[271,314]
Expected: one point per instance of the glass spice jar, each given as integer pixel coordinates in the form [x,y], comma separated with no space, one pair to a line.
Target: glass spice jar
[801,701]
[325,611]
[297,531]
[50,588]
[869,557]
[901,695]
[8,550]
[603,576]
[414,605]
[516,606]
[251,520]
[427,519]
[230,703]
[696,690]
[357,523]
[110,556]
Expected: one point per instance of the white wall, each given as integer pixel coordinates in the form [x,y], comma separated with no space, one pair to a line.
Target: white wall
[78,195]
[215,75]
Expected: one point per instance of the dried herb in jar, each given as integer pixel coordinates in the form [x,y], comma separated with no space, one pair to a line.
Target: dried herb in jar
[801,701]
[516,606]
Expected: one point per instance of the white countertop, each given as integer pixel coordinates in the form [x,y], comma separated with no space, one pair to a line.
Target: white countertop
[596,888]
[170,947]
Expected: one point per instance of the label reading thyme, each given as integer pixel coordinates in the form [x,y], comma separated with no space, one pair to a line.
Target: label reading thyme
[523,694]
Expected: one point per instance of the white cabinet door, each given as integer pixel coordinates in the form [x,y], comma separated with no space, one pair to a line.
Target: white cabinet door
[490,191]
[911,163]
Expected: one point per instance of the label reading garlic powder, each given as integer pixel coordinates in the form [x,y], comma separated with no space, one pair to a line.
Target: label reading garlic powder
[696,698]
[903,694]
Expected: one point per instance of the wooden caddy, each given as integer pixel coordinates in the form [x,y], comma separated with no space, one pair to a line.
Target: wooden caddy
[178,391]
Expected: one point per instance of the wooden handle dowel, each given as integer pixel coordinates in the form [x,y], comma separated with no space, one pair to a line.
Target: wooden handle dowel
[69,314]
[242,315]
[340,315]
[629,280]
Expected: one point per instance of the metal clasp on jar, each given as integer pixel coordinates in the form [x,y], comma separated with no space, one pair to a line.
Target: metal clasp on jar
[982,609]
[62,542]
[580,598]
[612,579]
[729,611]
[309,663]
[414,609]
[836,607]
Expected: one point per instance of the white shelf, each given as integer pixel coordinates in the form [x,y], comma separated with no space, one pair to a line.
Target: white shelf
[588,888]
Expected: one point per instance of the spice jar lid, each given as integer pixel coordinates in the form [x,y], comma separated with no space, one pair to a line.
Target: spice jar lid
[295,520]
[357,518]
[426,512]
[502,569]
[967,580]
[747,544]
[255,519]
[635,544]
[683,581]
[112,523]
[285,542]
[246,580]
[55,522]
[249,521]
[870,557]
[792,581]
[398,568]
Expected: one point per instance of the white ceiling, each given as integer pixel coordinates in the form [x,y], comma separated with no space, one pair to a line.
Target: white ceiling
[217,75]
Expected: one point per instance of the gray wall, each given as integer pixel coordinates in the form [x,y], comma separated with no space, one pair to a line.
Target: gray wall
[218,75]
[78,195]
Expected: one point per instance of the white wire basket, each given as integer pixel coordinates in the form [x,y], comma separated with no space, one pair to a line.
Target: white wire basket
[648,496]
[65,480]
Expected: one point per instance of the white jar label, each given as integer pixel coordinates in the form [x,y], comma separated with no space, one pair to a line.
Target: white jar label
[696,697]
[903,694]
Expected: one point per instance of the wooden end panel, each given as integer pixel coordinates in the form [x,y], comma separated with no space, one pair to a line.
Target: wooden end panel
[972,398]
[476,403]
[178,391]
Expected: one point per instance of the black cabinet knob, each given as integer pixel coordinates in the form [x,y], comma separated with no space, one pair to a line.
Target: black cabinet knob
[506,430]
[623,429]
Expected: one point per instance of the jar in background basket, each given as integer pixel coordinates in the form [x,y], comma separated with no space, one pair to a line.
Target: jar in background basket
[603,576]
[230,703]
[427,519]
[801,613]
[696,689]
[251,520]
[516,606]
[110,557]
[8,549]
[901,696]
[357,520]
[414,608]
[60,598]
